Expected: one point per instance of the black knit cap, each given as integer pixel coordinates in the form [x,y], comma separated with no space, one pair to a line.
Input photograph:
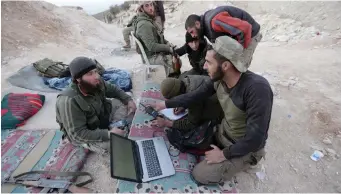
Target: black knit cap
[189,38]
[80,66]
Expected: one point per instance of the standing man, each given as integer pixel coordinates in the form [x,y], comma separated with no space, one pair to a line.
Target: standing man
[160,17]
[227,21]
[83,110]
[246,99]
[126,32]
[158,50]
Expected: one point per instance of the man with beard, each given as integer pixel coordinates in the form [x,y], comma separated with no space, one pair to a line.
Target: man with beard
[246,99]
[83,110]
[227,21]
[157,49]
[196,49]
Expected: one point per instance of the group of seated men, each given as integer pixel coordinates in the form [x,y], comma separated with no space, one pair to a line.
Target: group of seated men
[219,86]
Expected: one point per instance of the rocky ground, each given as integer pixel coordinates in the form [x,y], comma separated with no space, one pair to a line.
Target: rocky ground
[299,55]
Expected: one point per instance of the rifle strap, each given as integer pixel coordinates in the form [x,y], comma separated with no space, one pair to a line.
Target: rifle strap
[61,174]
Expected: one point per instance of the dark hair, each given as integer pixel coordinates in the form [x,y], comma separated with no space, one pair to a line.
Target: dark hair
[190,21]
[220,58]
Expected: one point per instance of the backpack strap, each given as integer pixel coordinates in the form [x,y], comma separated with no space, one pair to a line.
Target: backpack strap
[57,173]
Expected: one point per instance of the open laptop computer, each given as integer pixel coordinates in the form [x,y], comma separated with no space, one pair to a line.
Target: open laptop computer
[139,161]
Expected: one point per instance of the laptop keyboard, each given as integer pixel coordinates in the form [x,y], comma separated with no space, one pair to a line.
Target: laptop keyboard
[152,161]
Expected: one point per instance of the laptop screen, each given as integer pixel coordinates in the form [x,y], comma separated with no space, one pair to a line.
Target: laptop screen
[123,165]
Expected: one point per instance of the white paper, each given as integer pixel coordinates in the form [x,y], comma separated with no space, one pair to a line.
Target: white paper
[169,113]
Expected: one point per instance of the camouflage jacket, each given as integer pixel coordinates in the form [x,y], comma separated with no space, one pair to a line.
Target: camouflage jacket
[147,32]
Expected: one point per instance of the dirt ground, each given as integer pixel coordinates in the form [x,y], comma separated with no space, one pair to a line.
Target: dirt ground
[299,55]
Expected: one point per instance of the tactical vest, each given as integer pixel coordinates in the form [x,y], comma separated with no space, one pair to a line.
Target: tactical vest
[233,124]
[206,20]
[95,118]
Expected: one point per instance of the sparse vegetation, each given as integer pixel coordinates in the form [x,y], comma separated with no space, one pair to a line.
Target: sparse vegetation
[126,5]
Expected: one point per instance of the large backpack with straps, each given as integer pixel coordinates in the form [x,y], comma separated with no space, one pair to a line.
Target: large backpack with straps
[49,68]
[196,141]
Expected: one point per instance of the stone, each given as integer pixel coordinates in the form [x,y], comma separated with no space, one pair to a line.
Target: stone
[327,141]
[331,152]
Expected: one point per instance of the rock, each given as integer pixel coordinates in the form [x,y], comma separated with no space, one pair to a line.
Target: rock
[316,147]
[338,189]
[282,38]
[327,141]
[331,152]
[338,136]
[284,83]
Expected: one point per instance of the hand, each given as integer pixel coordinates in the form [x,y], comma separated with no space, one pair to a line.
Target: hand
[159,106]
[131,107]
[214,156]
[161,122]
[117,131]
[179,110]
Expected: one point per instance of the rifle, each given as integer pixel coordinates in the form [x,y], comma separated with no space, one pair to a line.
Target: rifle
[50,185]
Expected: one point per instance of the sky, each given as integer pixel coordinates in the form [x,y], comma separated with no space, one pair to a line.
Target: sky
[90,6]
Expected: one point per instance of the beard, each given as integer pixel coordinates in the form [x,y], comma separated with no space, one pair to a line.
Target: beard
[218,75]
[88,87]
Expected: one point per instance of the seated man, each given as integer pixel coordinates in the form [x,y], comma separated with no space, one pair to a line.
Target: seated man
[158,50]
[126,32]
[196,50]
[246,99]
[84,113]
[198,112]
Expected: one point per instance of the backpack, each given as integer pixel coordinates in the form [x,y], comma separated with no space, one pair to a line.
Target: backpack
[196,141]
[67,73]
[49,68]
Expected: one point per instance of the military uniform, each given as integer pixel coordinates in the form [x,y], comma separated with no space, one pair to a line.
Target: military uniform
[127,30]
[156,47]
[85,118]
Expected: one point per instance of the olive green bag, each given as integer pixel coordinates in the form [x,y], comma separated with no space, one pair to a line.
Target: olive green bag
[49,68]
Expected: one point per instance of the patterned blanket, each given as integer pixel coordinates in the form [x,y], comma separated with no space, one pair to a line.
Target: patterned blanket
[17,108]
[183,163]
[119,77]
[23,151]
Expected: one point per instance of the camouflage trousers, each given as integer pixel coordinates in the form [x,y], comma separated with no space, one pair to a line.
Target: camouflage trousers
[164,60]
[220,172]
[126,34]
[118,112]
[248,52]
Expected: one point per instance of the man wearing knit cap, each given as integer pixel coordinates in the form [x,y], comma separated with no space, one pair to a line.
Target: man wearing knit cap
[199,112]
[246,99]
[196,49]
[83,110]
[158,50]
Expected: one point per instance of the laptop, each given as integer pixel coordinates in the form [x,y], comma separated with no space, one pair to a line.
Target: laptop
[139,161]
